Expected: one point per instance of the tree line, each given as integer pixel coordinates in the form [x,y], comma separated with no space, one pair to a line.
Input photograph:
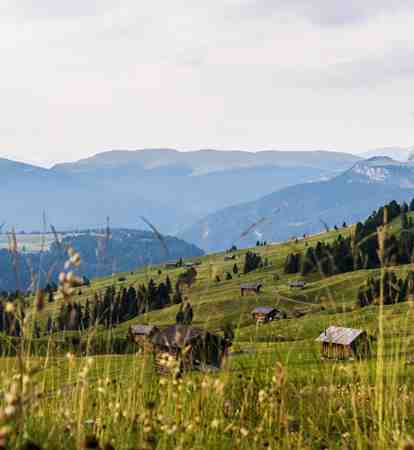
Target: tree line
[394,289]
[107,308]
[361,249]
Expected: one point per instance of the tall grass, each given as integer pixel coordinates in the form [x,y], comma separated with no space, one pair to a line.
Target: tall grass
[271,395]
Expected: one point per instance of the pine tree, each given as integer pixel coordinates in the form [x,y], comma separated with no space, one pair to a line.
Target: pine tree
[177,297]
[252,262]
[168,284]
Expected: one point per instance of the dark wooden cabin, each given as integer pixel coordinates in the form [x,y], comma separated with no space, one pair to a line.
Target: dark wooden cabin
[142,334]
[192,348]
[264,314]
[297,284]
[253,288]
[343,343]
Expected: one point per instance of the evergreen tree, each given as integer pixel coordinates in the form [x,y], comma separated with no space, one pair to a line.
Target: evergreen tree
[168,284]
[177,297]
[252,262]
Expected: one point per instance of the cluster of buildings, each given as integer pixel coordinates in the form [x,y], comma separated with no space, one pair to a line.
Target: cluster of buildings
[194,348]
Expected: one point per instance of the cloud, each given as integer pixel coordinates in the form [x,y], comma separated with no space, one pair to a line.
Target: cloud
[79,77]
[52,9]
[325,12]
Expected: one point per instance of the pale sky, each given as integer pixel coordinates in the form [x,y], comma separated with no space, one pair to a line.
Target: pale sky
[82,76]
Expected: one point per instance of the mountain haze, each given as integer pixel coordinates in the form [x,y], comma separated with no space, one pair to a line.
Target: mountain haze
[303,208]
[172,189]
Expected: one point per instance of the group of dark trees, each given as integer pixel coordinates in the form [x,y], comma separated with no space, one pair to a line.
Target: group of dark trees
[252,262]
[114,306]
[361,249]
[261,243]
[108,308]
[394,290]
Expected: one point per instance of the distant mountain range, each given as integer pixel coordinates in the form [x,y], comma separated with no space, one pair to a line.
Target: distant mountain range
[402,154]
[172,189]
[304,208]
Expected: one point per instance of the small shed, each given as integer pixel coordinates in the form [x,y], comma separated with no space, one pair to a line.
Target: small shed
[342,343]
[191,347]
[250,287]
[297,284]
[264,314]
[142,334]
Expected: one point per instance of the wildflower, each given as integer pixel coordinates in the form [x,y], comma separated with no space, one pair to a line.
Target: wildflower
[10,308]
[215,423]
[244,432]
[9,411]
[262,395]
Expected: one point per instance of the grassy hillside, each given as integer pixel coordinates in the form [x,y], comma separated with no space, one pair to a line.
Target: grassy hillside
[275,391]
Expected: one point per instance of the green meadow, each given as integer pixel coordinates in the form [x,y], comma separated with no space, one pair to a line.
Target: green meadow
[275,390]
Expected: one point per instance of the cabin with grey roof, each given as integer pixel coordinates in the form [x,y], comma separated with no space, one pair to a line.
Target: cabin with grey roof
[343,343]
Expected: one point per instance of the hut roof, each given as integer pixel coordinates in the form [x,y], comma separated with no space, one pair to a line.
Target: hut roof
[263,310]
[339,335]
[145,330]
[177,336]
[250,285]
[297,282]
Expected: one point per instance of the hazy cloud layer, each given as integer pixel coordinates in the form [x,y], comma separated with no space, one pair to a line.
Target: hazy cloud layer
[80,77]
[326,12]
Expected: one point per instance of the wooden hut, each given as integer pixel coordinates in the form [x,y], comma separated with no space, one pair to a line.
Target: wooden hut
[264,314]
[142,334]
[191,348]
[253,288]
[297,284]
[342,343]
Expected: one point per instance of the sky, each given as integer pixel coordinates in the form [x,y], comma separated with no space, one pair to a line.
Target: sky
[83,76]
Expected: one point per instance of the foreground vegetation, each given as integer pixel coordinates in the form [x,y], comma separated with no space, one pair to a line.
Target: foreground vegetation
[275,390]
